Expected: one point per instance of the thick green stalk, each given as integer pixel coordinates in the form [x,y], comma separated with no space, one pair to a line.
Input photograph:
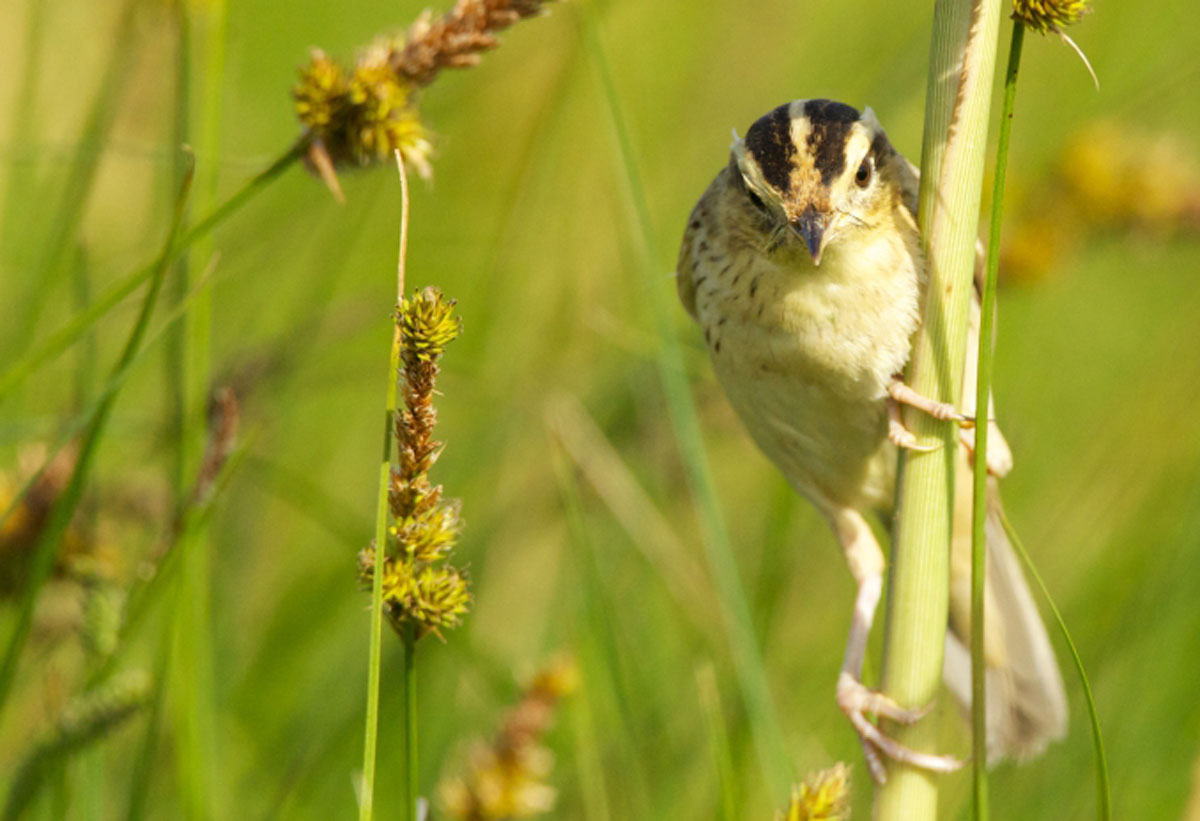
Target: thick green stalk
[45,552]
[961,65]
[366,806]
[192,674]
[735,610]
[983,391]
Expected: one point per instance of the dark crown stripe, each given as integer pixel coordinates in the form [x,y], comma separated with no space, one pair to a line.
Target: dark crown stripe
[769,141]
[829,126]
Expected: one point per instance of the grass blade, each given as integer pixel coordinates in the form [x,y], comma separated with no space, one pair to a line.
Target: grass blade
[1103,786]
[739,626]
[46,550]
[68,335]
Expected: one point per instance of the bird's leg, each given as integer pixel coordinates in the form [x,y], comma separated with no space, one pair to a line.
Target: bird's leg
[865,558]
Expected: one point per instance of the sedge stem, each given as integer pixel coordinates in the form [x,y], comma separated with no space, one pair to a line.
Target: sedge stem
[983,392]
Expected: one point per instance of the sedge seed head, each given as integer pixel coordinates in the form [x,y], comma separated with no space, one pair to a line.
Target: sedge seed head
[321,93]
[1048,15]
[427,324]
[363,115]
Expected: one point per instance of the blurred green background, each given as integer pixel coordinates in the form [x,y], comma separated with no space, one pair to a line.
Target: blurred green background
[593,548]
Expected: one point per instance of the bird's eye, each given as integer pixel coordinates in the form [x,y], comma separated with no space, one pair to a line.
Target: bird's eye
[757,202]
[862,177]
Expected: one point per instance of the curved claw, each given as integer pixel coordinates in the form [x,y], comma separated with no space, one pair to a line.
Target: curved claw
[855,700]
[902,437]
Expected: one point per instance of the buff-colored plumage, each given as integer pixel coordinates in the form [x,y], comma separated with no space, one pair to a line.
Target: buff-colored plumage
[802,265]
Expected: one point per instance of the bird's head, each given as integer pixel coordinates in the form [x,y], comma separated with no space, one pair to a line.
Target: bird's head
[820,170]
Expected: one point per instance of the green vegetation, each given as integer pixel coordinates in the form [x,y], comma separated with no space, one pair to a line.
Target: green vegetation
[585,532]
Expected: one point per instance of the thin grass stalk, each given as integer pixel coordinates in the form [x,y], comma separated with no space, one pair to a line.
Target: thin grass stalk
[718,741]
[601,662]
[412,792]
[983,392]
[143,762]
[366,806]
[67,336]
[1103,785]
[80,421]
[739,626]
[46,550]
[40,281]
[962,62]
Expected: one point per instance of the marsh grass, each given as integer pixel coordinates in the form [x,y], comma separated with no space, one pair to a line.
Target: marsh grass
[537,243]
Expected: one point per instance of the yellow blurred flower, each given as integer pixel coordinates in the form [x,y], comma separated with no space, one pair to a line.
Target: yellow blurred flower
[507,778]
[823,796]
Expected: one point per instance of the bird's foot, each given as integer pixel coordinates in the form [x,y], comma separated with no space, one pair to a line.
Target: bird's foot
[945,411]
[856,700]
[902,437]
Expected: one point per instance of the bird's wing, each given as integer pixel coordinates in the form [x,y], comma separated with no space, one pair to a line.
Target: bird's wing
[685,282]
[999,456]
[691,266]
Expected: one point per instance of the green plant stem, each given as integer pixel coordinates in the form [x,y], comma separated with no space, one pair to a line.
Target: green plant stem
[961,66]
[46,550]
[174,359]
[77,327]
[765,726]
[192,674]
[983,392]
[366,806]
[412,792]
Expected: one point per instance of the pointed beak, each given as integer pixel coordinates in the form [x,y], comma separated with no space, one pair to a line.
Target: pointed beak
[810,226]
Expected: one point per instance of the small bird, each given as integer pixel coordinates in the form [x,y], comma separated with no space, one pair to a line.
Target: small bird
[802,263]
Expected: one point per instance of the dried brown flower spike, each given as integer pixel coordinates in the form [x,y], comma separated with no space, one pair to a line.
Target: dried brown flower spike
[362,115]
[420,586]
[507,778]
[456,39]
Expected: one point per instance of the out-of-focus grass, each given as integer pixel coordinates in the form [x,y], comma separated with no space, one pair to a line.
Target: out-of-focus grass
[526,226]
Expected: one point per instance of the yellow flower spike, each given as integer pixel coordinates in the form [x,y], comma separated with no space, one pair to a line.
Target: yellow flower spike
[1048,15]
[428,324]
[824,796]
[440,597]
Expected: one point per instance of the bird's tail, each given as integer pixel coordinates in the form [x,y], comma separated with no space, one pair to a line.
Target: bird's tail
[1026,704]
